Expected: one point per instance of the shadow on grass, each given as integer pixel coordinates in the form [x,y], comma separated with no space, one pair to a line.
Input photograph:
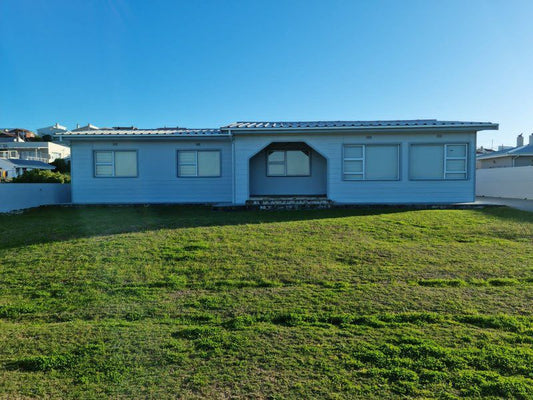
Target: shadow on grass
[55,223]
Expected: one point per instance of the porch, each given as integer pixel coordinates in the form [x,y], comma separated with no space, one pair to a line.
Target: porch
[288,169]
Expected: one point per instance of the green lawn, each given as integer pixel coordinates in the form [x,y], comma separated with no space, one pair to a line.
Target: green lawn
[167,302]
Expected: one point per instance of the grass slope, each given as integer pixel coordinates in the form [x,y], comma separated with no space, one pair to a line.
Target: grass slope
[166,302]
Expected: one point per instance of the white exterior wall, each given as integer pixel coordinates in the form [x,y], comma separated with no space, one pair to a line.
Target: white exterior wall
[157,180]
[17,196]
[500,162]
[42,151]
[403,191]
[515,183]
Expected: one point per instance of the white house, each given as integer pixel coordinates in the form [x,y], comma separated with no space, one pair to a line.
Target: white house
[345,162]
[11,168]
[53,130]
[519,156]
[45,152]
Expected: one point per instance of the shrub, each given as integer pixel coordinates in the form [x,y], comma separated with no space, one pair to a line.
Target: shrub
[42,176]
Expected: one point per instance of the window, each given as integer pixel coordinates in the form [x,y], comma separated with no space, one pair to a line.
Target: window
[374,162]
[288,163]
[198,163]
[438,161]
[121,164]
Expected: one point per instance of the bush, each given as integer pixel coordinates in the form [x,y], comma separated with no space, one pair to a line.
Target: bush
[42,176]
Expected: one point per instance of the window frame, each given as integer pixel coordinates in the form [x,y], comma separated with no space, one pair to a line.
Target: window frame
[444,159]
[196,151]
[363,159]
[112,163]
[284,163]
[465,159]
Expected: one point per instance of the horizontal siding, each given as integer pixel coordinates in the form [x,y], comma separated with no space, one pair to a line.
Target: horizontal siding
[330,146]
[157,180]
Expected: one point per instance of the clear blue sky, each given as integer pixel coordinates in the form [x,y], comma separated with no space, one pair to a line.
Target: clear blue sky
[208,63]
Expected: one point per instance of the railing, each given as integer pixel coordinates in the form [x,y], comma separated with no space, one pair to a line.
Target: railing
[45,160]
[16,155]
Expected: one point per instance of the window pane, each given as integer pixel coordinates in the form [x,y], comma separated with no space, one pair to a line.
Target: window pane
[353,151]
[276,169]
[125,163]
[456,176]
[455,165]
[208,163]
[298,163]
[456,150]
[103,170]
[276,156]
[381,162]
[104,156]
[353,167]
[352,177]
[187,170]
[187,157]
[426,161]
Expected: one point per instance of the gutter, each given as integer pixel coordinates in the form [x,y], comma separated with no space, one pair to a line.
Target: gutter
[86,137]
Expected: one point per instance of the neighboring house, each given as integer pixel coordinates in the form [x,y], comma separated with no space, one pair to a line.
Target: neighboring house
[6,137]
[20,133]
[87,127]
[52,131]
[519,156]
[12,167]
[483,150]
[45,152]
[350,162]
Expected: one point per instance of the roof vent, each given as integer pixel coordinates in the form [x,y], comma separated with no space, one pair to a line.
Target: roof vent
[520,140]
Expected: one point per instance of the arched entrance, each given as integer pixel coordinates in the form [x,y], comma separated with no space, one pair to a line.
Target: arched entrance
[288,169]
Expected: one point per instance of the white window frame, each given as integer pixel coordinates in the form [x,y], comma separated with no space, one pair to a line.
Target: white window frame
[363,161]
[284,163]
[446,158]
[112,163]
[195,163]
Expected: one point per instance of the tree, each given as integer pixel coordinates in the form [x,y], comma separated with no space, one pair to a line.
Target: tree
[62,165]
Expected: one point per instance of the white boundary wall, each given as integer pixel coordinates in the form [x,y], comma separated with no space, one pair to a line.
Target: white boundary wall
[513,183]
[17,196]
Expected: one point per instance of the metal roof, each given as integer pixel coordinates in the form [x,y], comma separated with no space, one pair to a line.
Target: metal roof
[29,163]
[526,150]
[424,123]
[278,126]
[148,132]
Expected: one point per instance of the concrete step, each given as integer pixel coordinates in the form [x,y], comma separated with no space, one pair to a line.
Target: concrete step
[288,203]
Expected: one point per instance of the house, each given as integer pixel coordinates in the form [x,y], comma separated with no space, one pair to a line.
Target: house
[51,131]
[23,134]
[347,162]
[6,137]
[88,127]
[519,156]
[13,167]
[45,152]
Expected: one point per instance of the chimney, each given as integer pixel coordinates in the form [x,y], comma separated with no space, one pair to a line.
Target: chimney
[519,140]
[531,139]
[77,126]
